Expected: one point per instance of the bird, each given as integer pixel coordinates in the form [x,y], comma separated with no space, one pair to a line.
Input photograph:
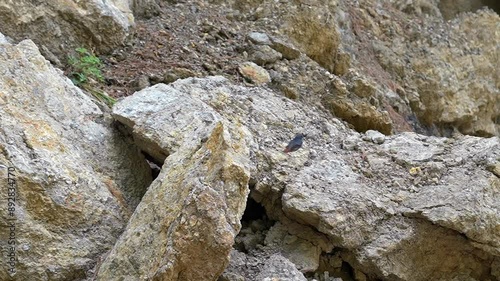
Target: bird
[294,144]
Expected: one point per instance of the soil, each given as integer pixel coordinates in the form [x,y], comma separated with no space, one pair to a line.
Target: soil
[186,39]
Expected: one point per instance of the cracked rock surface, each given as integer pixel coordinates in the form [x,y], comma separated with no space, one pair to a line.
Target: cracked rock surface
[411,208]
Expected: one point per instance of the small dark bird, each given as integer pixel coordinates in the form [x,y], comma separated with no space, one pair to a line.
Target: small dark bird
[294,144]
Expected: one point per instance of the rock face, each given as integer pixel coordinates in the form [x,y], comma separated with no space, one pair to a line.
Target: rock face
[375,204]
[78,180]
[428,74]
[184,227]
[414,210]
[408,207]
[59,26]
[450,87]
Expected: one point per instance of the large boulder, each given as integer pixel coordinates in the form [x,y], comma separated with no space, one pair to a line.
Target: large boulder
[185,225]
[77,180]
[59,26]
[406,207]
[413,208]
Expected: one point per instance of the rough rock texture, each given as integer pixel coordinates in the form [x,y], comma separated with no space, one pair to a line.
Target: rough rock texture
[447,86]
[450,8]
[78,180]
[270,267]
[185,225]
[412,208]
[59,26]
[145,8]
[365,206]
[424,73]
[254,73]
[3,39]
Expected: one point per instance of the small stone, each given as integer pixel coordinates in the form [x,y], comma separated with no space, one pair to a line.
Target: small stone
[494,168]
[339,85]
[350,143]
[263,55]
[254,73]
[287,50]
[140,83]
[415,171]
[375,136]
[155,79]
[178,73]
[259,38]
[362,88]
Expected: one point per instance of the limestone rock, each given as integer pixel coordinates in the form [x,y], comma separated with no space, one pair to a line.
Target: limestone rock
[374,136]
[185,225]
[62,26]
[363,88]
[145,8]
[259,38]
[360,114]
[301,252]
[78,180]
[450,9]
[254,73]
[263,55]
[450,67]
[270,267]
[3,39]
[393,210]
[420,213]
[278,267]
[288,51]
[318,38]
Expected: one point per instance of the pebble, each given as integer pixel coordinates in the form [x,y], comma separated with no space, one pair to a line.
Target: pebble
[259,38]
[254,73]
[374,136]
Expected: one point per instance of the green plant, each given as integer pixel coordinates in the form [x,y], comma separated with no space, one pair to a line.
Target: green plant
[100,95]
[85,67]
[85,72]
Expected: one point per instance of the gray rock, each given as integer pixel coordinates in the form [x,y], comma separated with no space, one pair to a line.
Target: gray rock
[263,55]
[301,252]
[278,267]
[427,202]
[288,51]
[199,197]
[374,136]
[262,267]
[61,26]
[78,180]
[3,39]
[367,217]
[259,38]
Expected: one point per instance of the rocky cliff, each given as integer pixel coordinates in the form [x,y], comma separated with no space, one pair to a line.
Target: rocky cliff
[185,178]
